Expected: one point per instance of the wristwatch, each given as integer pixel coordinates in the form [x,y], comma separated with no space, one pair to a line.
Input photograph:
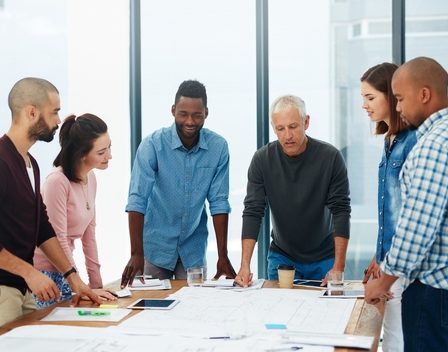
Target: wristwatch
[69,272]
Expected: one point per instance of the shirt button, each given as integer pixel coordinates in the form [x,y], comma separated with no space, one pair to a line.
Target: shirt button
[381,212]
[381,228]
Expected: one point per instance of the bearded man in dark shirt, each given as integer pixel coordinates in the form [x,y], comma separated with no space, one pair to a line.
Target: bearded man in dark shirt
[35,105]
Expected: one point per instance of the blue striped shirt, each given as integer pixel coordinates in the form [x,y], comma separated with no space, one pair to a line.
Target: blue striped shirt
[420,246]
[169,185]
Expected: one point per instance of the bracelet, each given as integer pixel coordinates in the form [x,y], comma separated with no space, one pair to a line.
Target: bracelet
[69,272]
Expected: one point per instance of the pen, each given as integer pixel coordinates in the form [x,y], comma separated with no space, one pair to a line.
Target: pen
[143,277]
[289,348]
[233,337]
[219,337]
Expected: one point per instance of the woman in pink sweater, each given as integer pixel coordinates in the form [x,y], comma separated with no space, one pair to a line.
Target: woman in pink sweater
[69,193]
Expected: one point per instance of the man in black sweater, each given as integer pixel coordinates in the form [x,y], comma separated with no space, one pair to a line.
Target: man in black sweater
[305,183]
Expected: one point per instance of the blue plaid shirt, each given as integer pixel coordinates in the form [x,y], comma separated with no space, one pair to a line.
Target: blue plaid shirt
[169,185]
[420,246]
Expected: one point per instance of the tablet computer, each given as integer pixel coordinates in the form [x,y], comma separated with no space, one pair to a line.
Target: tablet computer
[344,294]
[153,303]
[309,283]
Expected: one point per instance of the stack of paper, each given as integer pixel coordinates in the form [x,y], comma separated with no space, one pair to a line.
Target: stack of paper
[328,339]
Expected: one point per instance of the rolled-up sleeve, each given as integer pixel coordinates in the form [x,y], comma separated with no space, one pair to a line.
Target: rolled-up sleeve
[142,177]
[218,194]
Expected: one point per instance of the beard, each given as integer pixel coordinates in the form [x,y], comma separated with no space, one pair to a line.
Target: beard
[41,131]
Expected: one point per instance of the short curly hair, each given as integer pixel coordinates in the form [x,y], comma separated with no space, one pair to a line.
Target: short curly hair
[191,89]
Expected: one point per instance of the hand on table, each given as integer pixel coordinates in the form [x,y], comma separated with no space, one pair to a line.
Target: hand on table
[244,277]
[81,290]
[224,268]
[135,266]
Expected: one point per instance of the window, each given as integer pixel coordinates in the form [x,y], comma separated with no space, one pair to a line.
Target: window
[58,40]
[427,30]
[319,53]
[215,44]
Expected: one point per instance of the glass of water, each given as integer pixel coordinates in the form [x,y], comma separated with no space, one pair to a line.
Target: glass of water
[336,283]
[195,276]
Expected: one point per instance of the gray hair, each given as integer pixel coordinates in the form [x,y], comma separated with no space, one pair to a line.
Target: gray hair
[287,102]
[29,90]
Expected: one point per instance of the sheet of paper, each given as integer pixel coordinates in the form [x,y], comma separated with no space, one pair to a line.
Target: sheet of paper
[136,283]
[151,284]
[218,283]
[228,284]
[86,314]
[125,292]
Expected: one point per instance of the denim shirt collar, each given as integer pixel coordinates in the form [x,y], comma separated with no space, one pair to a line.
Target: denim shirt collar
[176,143]
[399,139]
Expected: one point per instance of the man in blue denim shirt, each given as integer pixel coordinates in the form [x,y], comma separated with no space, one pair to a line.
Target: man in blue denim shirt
[176,170]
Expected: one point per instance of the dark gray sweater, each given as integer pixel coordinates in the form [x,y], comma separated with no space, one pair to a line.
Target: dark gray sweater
[308,196]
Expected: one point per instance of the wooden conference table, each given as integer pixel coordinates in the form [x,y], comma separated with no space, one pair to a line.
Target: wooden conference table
[365,319]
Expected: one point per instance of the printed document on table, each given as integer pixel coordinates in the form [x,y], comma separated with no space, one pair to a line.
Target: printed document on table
[86,314]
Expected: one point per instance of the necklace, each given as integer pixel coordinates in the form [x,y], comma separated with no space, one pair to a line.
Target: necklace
[85,192]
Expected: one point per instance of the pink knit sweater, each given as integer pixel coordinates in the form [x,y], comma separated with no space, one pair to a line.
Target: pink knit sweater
[66,207]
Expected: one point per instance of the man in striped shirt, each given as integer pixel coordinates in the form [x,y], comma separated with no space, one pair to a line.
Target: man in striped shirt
[419,249]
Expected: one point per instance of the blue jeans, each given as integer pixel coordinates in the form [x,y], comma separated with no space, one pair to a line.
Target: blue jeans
[310,271]
[425,318]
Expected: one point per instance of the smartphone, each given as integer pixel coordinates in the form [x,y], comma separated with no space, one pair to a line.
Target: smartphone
[308,283]
[152,303]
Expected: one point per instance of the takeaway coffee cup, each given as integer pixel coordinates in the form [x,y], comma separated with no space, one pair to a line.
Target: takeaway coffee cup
[286,276]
